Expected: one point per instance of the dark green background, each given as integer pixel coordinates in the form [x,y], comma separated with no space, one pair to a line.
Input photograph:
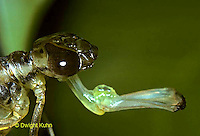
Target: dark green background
[142,45]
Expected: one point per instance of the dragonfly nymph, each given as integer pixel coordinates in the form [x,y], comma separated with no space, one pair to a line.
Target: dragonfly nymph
[62,56]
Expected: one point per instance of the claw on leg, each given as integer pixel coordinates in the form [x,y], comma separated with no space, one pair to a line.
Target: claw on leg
[104,98]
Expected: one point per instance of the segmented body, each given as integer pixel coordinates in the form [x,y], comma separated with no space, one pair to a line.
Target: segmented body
[59,55]
[17,74]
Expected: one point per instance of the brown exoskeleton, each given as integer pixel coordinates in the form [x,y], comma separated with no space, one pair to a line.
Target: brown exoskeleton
[59,55]
[62,56]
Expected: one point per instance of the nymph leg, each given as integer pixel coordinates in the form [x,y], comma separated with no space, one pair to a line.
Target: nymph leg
[49,129]
[39,91]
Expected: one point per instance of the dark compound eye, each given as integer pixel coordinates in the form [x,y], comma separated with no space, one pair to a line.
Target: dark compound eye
[62,61]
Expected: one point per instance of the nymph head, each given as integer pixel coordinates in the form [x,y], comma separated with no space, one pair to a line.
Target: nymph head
[61,55]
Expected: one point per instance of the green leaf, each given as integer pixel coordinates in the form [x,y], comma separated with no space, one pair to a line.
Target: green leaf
[19,21]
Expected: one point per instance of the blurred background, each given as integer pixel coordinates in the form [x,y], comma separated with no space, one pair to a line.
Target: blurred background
[142,45]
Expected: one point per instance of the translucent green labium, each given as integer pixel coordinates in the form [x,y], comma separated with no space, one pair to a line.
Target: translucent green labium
[105,99]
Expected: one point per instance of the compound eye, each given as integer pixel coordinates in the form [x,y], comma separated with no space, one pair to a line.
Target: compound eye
[62,61]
